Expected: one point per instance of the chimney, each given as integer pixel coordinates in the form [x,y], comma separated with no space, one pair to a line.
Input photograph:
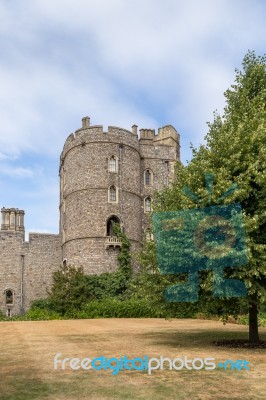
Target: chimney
[20,220]
[85,122]
[12,226]
[135,130]
[12,219]
[5,219]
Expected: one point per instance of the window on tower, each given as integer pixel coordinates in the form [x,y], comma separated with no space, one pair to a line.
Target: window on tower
[147,205]
[112,240]
[9,296]
[148,177]
[110,225]
[112,164]
[112,194]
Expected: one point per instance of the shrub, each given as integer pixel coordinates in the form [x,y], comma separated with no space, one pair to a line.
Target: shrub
[72,289]
[41,304]
[2,317]
[244,320]
[129,308]
[36,314]
[115,308]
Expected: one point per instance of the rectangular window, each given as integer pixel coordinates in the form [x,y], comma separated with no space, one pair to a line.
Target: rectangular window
[112,164]
[112,196]
[147,205]
[9,296]
[148,178]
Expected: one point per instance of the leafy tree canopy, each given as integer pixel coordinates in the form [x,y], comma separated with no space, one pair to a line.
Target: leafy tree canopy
[235,153]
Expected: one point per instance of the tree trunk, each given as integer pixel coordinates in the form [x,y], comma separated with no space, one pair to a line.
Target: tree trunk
[253,320]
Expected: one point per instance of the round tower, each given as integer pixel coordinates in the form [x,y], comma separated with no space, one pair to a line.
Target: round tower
[99,185]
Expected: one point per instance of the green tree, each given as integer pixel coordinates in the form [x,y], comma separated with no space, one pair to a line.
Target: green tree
[70,290]
[235,153]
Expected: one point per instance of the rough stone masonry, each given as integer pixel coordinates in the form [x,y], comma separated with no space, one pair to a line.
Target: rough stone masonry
[105,178]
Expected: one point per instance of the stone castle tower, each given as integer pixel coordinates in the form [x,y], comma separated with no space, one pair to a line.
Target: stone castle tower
[105,177]
[108,177]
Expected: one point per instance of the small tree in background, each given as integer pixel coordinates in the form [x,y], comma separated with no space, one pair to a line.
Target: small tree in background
[70,289]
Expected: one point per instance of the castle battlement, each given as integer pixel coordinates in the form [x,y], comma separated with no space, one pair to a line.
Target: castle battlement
[166,136]
[89,134]
[147,134]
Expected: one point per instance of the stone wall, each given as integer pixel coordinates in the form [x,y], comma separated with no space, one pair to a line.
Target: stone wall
[11,249]
[85,207]
[85,180]
[26,268]
[42,258]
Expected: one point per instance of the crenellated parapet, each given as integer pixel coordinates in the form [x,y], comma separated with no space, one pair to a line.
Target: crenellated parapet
[89,134]
[146,134]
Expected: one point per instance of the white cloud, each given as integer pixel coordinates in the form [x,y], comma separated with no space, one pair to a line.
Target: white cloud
[16,172]
[146,62]
[106,57]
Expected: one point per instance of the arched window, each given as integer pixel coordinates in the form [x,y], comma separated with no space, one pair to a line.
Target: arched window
[112,164]
[9,295]
[112,194]
[110,225]
[147,205]
[148,177]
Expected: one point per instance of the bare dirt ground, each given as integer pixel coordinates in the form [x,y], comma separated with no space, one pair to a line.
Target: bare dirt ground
[27,351]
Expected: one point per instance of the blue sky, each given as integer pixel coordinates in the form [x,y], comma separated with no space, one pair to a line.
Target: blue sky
[144,62]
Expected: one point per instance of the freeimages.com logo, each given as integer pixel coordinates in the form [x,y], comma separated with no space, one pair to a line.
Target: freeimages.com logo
[209,238]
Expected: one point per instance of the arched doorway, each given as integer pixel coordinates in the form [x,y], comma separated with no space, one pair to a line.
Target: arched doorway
[110,225]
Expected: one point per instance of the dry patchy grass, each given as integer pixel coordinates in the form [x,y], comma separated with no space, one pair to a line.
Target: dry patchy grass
[27,350]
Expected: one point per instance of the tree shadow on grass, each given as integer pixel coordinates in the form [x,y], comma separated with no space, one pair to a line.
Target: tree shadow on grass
[23,387]
[203,339]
